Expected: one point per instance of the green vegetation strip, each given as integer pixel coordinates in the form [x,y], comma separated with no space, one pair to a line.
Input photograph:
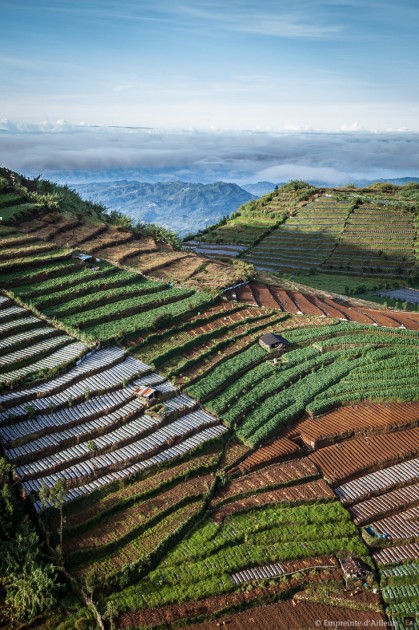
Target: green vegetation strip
[201,564]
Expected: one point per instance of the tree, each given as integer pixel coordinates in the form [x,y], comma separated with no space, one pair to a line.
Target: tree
[6,501]
[91,582]
[30,591]
[111,613]
[54,496]
[28,582]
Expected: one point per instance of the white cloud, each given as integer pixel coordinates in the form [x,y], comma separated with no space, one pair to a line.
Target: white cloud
[157,154]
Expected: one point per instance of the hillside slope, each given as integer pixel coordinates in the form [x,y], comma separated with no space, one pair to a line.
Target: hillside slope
[297,229]
[178,472]
[181,206]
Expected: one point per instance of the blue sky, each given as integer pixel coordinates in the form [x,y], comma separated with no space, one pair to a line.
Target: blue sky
[305,64]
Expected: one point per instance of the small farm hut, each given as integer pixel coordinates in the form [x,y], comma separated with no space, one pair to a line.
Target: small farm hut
[353,568]
[147,394]
[271,342]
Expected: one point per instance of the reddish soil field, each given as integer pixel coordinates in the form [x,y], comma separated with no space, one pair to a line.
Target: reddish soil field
[302,492]
[274,475]
[285,300]
[347,422]
[122,523]
[277,449]
[245,294]
[294,615]
[263,296]
[347,460]
[308,304]
[77,516]
[397,554]
[166,615]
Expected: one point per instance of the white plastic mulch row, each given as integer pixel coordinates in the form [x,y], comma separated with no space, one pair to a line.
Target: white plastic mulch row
[97,360]
[54,360]
[35,348]
[28,336]
[258,573]
[140,449]
[379,481]
[163,456]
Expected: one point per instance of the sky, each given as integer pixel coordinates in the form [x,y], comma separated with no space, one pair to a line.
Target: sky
[212,64]
[203,90]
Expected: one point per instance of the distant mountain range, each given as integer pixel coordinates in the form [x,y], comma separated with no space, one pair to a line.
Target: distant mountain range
[181,206]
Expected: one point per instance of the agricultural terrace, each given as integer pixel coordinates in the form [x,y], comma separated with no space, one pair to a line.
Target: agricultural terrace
[96,300]
[305,240]
[166,514]
[370,454]
[204,341]
[88,429]
[342,234]
[299,303]
[378,240]
[256,545]
[324,367]
[252,221]
[30,348]
[130,249]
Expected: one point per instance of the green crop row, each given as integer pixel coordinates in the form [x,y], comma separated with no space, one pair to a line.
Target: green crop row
[209,535]
[227,370]
[74,278]
[103,313]
[221,344]
[177,347]
[201,564]
[282,378]
[17,264]
[130,326]
[38,273]
[101,299]
[289,404]
[167,338]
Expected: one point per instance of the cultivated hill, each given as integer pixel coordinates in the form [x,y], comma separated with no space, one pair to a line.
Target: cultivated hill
[300,229]
[164,467]
[58,215]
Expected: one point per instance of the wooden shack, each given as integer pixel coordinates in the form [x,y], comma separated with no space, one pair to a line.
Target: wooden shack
[271,342]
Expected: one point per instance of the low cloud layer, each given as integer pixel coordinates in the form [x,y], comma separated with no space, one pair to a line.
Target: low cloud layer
[90,153]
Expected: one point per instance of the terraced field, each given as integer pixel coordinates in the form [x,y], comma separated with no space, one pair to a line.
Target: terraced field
[248,477]
[378,240]
[30,348]
[298,303]
[306,239]
[252,222]
[131,250]
[343,236]
[325,366]
[88,428]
